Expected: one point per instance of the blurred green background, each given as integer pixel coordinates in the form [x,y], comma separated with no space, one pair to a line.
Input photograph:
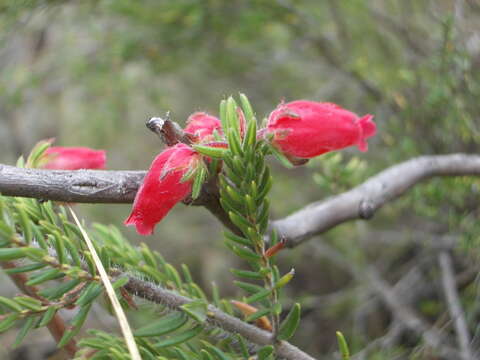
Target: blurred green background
[90,73]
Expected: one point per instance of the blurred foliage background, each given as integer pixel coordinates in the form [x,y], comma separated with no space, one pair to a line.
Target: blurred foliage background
[89,73]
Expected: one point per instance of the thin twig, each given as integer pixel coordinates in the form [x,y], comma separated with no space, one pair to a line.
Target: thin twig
[216,317]
[454,307]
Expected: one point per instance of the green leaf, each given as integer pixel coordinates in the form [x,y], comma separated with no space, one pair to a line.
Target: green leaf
[213,152]
[60,248]
[247,274]
[28,302]
[73,251]
[263,215]
[58,291]
[76,323]
[265,188]
[343,346]
[234,194]
[244,252]
[280,157]
[241,222]
[285,279]
[92,291]
[223,114]
[200,177]
[290,324]
[148,255]
[27,326]
[251,135]
[44,276]
[173,275]
[120,282]
[243,347]
[20,162]
[25,223]
[258,296]
[35,157]
[250,288]
[179,338]
[233,121]
[205,355]
[26,268]
[251,206]
[7,254]
[238,166]
[6,232]
[10,304]
[164,325]
[265,352]
[247,108]
[186,273]
[8,322]
[216,351]
[258,314]
[196,309]
[238,239]
[215,294]
[34,254]
[48,316]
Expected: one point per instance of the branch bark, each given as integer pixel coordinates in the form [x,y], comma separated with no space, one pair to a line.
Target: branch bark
[364,200]
[361,202]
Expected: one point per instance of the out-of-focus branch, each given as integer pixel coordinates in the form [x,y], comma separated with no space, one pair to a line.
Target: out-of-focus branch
[407,316]
[454,307]
[98,186]
[364,200]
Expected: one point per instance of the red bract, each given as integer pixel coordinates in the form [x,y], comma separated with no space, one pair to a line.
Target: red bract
[203,125]
[305,129]
[74,158]
[162,187]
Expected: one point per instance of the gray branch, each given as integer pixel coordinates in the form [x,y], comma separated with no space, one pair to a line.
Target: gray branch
[364,200]
[361,202]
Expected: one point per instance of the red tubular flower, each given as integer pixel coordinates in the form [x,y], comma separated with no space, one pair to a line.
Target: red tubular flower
[74,158]
[203,125]
[305,129]
[162,187]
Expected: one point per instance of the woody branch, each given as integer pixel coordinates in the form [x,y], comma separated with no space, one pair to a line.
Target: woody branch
[361,202]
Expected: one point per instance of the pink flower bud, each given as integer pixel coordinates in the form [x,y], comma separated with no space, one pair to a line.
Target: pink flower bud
[305,129]
[162,187]
[74,158]
[203,125]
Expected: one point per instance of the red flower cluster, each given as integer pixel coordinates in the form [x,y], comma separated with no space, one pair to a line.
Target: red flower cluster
[162,187]
[300,130]
[74,158]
